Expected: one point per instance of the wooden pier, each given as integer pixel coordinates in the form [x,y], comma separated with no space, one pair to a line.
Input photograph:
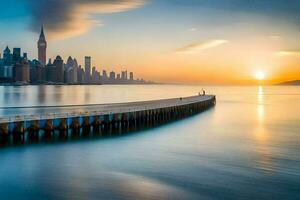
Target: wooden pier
[100,120]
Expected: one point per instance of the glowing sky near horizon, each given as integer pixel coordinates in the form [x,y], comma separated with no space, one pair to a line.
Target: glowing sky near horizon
[191,41]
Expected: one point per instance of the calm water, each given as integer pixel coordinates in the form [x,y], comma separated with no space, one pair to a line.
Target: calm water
[247,147]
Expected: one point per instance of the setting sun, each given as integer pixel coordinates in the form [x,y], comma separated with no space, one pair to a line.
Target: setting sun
[259,75]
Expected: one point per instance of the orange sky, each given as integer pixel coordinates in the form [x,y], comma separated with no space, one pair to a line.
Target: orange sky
[207,41]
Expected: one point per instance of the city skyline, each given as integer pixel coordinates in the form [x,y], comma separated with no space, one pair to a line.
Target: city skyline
[18,68]
[186,42]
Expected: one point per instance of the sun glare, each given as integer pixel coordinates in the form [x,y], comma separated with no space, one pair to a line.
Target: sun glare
[259,75]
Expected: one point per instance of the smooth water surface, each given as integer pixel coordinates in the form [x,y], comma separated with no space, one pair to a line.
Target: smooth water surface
[247,147]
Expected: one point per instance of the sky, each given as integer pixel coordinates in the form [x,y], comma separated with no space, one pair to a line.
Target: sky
[168,41]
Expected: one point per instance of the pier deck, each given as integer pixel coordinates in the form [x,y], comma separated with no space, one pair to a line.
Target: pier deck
[103,119]
[53,112]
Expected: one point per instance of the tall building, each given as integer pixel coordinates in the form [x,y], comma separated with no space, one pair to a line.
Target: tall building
[50,72]
[95,76]
[59,66]
[80,75]
[6,67]
[112,76]
[71,70]
[22,73]
[124,75]
[75,68]
[25,56]
[87,66]
[16,55]
[7,57]
[131,76]
[42,47]
[36,72]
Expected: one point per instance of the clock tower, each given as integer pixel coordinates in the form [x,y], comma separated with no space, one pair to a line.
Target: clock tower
[42,47]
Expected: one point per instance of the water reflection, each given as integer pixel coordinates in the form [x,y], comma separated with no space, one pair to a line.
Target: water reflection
[245,148]
[41,94]
[260,105]
[261,135]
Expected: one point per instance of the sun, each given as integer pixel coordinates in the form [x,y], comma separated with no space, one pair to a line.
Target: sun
[259,75]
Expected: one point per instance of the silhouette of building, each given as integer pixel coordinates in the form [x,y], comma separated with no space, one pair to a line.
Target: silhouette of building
[42,47]
[80,75]
[87,66]
[118,78]
[71,70]
[124,75]
[75,68]
[36,72]
[25,56]
[131,76]
[7,57]
[104,78]
[16,57]
[112,76]
[50,72]
[22,71]
[59,69]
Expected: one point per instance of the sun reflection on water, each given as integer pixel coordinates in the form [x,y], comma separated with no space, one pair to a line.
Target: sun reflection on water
[261,135]
[260,105]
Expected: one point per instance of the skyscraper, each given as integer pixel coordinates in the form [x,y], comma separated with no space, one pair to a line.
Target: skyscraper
[69,71]
[131,76]
[87,66]
[16,55]
[124,75]
[112,76]
[42,47]
[7,56]
[22,72]
[36,71]
[59,66]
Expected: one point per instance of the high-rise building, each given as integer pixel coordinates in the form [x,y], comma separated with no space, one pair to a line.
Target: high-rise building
[22,72]
[124,75]
[94,71]
[16,55]
[131,76]
[42,47]
[75,68]
[50,72]
[71,70]
[36,72]
[59,66]
[112,76]
[118,77]
[7,57]
[25,57]
[87,66]
[80,75]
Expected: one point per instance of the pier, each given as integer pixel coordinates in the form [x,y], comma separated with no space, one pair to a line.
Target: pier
[64,122]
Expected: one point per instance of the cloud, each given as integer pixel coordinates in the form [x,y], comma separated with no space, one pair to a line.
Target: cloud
[193,29]
[69,18]
[288,53]
[200,47]
[275,37]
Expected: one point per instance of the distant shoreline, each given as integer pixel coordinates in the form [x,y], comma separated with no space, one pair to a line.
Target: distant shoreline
[69,84]
[289,83]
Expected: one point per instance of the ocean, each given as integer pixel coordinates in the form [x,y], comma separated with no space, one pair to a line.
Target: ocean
[246,147]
